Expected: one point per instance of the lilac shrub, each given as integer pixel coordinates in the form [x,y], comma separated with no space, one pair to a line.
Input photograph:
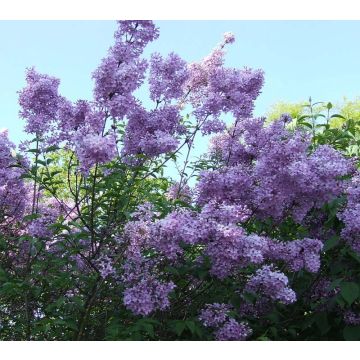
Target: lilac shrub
[255,239]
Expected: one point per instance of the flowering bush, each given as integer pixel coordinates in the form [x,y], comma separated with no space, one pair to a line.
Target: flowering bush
[257,239]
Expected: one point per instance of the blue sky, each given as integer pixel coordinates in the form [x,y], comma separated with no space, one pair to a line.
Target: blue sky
[300,58]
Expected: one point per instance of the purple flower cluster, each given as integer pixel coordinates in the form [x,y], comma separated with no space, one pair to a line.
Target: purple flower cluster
[214,89]
[233,331]
[94,149]
[13,191]
[122,71]
[272,284]
[214,315]
[212,126]
[179,191]
[351,215]
[105,265]
[152,133]
[297,254]
[148,295]
[231,249]
[217,316]
[145,292]
[304,254]
[39,101]
[226,244]
[177,228]
[167,77]
[224,213]
[80,117]
[270,170]
[47,213]
[231,185]
[256,174]
[351,318]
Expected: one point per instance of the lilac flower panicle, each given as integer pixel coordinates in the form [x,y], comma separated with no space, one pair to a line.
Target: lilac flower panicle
[179,191]
[271,283]
[232,250]
[270,170]
[213,126]
[304,254]
[13,191]
[39,101]
[122,71]
[147,296]
[214,315]
[351,214]
[351,318]
[48,212]
[152,133]
[106,267]
[167,77]
[93,148]
[233,331]
[229,38]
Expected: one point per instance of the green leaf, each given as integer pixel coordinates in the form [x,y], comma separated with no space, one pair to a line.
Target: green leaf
[3,275]
[51,148]
[303,117]
[31,217]
[351,333]
[25,176]
[306,124]
[263,338]
[337,116]
[149,328]
[35,151]
[53,173]
[179,327]
[191,326]
[335,283]
[349,291]
[322,323]
[330,243]
[41,162]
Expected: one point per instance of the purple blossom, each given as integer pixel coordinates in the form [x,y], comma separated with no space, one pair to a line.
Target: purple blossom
[351,214]
[231,250]
[105,265]
[233,331]
[269,170]
[175,192]
[271,283]
[167,77]
[122,71]
[229,38]
[232,185]
[148,295]
[351,318]
[47,214]
[39,101]
[297,254]
[214,315]
[93,148]
[304,254]
[177,228]
[224,213]
[152,133]
[212,126]
[13,191]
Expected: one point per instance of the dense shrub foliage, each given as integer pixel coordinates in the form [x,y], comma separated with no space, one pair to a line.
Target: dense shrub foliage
[257,239]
